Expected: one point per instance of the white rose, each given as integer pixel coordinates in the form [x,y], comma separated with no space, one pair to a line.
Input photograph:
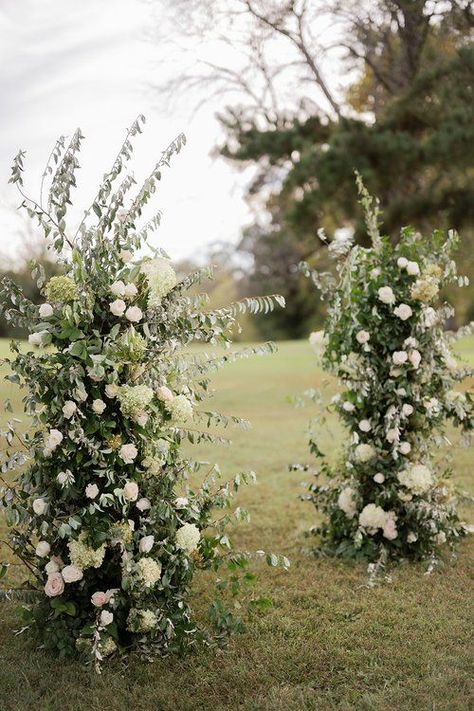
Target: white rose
[346,501]
[410,342]
[379,478]
[134,314]
[128,453]
[71,574]
[393,434]
[362,336]
[143,504]
[106,618]
[98,406]
[375,273]
[386,295]
[412,537]
[365,426]
[142,419]
[402,262]
[130,291]
[130,491]
[111,390]
[35,339]
[55,438]
[39,506]
[413,269]
[164,393]
[146,544]
[51,566]
[69,408]
[405,447]
[126,255]
[407,409]
[42,549]
[118,307]
[118,288]
[400,357]
[415,358]
[403,311]
[348,406]
[181,502]
[46,310]
[92,491]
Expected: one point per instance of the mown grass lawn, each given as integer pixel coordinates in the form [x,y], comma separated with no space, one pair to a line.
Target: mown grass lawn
[328,642]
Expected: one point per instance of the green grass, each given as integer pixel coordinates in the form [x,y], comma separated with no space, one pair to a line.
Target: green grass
[328,642]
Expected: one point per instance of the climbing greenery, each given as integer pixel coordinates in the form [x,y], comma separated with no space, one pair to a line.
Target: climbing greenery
[104,510]
[385,341]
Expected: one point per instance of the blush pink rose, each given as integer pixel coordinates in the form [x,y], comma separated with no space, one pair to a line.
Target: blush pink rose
[99,598]
[54,585]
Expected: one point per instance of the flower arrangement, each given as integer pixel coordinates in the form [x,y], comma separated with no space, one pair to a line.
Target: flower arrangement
[101,512]
[384,340]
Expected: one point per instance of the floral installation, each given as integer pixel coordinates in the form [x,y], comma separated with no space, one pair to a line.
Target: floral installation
[384,340]
[101,511]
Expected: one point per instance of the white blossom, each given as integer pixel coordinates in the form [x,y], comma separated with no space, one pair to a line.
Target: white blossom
[362,337]
[134,314]
[92,490]
[118,307]
[98,406]
[118,288]
[69,409]
[42,549]
[146,544]
[130,491]
[386,295]
[400,357]
[403,311]
[413,268]
[128,452]
[46,310]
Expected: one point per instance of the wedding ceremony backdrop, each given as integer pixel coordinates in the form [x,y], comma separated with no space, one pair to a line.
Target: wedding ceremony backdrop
[237,406]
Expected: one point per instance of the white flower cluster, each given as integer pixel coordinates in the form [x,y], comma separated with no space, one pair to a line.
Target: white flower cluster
[148,571]
[188,537]
[417,478]
[161,279]
[373,517]
[180,408]
[84,556]
[134,399]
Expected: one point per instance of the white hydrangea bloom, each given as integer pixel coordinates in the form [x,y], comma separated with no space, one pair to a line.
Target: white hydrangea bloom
[161,279]
[347,502]
[364,453]
[180,408]
[149,571]
[188,537]
[418,478]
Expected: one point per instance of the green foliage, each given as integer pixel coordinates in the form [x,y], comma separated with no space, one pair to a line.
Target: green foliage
[384,340]
[101,514]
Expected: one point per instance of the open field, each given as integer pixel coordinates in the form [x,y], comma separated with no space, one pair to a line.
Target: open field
[328,642]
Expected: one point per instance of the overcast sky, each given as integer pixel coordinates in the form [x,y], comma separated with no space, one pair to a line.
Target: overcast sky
[88,63]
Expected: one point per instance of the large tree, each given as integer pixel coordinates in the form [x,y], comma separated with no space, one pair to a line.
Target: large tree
[329,86]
